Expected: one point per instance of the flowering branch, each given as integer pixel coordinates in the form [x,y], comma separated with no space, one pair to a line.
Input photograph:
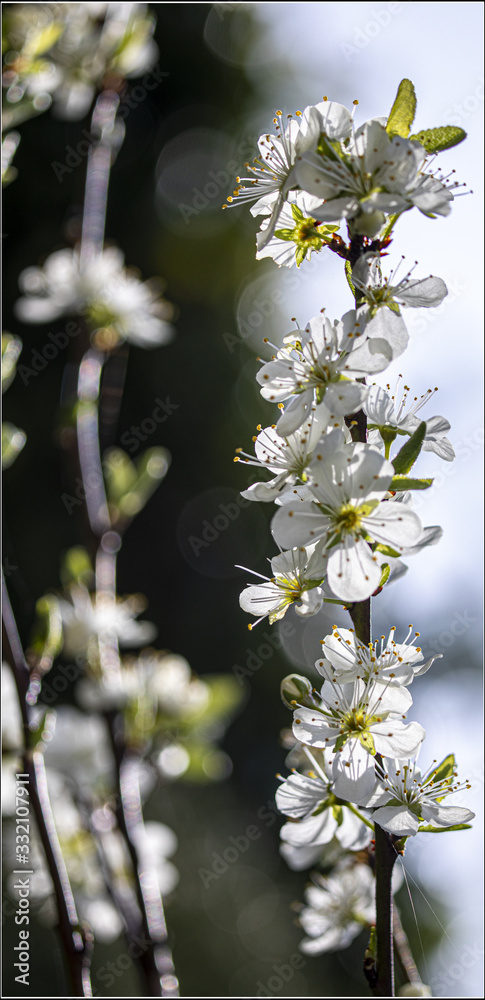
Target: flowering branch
[344,489]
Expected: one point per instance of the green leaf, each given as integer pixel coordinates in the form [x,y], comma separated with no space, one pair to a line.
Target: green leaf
[446,768]
[444,829]
[338,814]
[48,635]
[435,140]
[386,570]
[387,551]
[348,275]
[409,452]
[445,772]
[130,486]
[400,483]
[76,567]
[403,110]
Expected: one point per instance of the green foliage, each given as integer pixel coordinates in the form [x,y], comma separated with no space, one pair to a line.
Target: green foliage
[130,485]
[400,483]
[76,567]
[403,110]
[47,639]
[444,829]
[406,457]
[435,140]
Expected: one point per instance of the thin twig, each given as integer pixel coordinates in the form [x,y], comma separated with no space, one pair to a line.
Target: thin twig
[76,937]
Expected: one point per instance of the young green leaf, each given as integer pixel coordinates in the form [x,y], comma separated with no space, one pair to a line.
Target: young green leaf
[400,483]
[406,457]
[436,139]
[403,110]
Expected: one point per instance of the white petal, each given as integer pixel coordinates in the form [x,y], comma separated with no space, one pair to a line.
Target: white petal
[394,738]
[397,820]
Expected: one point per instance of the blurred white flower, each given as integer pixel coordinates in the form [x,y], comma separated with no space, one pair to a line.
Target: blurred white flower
[85,619]
[102,290]
[61,52]
[337,909]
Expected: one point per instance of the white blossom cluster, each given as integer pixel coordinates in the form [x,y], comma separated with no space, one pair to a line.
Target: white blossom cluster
[340,456]
[60,53]
[320,169]
[109,295]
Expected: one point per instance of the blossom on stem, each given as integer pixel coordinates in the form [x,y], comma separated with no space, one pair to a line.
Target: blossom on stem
[337,909]
[297,234]
[355,721]
[350,510]
[318,364]
[347,658]
[387,419]
[297,576]
[378,291]
[286,457]
[370,177]
[273,173]
[317,815]
[405,797]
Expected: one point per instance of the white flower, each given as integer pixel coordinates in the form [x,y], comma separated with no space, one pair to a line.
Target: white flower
[286,457]
[406,798]
[79,748]
[349,483]
[84,620]
[337,909]
[378,291]
[296,234]
[273,172]
[371,177]
[348,659]
[101,289]
[355,721]
[309,799]
[297,576]
[320,362]
[386,415]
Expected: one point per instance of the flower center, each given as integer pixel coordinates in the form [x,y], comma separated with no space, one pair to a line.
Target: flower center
[347,519]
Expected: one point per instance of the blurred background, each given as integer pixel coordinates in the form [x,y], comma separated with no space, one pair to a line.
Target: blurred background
[226,68]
